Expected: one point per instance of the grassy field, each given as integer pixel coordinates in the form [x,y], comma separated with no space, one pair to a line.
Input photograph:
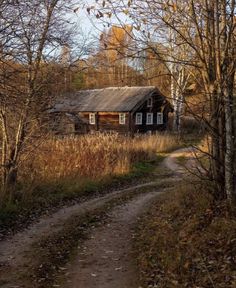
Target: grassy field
[92,156]
[61,170]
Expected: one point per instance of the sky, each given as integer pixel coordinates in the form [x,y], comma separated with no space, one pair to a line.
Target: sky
[90,24]
[89,28]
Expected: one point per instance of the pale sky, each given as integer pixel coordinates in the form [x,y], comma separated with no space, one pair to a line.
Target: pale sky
[90,24]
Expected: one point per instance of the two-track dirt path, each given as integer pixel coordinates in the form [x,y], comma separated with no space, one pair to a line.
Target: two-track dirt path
[172,164]
[105,260]
[13,250]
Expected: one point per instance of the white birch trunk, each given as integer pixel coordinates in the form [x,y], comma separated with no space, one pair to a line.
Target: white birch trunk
[178,102]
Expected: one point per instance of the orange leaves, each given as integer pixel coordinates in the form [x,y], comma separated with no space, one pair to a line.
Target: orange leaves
[174,7]
[116,40]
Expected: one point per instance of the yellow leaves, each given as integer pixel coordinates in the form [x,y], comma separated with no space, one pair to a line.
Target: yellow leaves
[173,7]
[129,28]
[126,11]
[116,39]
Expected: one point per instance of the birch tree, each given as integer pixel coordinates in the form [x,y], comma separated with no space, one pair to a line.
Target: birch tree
[151,35]
[207,29]
[177,54]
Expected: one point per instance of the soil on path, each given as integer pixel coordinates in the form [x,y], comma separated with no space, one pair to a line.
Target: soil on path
[13,250]
[171,162]
[106,260]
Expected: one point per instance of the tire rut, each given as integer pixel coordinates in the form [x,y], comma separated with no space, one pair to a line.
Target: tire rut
[106,260]
[13,251]
[109,247]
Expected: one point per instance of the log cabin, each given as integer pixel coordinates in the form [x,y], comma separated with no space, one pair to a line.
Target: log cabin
[125,110]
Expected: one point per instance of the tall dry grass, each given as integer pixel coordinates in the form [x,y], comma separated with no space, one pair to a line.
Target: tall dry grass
[92,156]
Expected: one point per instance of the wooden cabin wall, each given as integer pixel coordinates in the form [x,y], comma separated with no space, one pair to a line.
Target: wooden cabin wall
[107,121]
[144,109]
[60,124]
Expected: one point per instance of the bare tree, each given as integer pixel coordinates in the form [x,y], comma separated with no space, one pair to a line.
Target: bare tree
[206,29]
[34,31]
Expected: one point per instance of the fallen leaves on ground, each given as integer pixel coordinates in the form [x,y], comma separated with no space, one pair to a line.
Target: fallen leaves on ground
[187,240]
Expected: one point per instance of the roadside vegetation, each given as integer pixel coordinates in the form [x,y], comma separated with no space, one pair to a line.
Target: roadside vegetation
[187,239]
[93,156]
[63,170]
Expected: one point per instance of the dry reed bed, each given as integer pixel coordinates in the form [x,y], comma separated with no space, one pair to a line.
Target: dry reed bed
[92,156]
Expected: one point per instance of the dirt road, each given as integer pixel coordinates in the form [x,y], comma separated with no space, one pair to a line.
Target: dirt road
[105,259]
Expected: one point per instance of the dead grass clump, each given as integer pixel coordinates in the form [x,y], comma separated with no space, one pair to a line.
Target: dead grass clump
[189,242]
[92,156]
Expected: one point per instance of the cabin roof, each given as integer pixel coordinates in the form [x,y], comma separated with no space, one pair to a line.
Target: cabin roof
[112,99]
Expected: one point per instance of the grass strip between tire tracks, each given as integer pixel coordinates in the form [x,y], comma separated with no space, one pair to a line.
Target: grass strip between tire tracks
[50,254]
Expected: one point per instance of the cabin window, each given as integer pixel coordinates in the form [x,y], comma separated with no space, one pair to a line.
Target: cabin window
[149,102]
[159,118]
[92,118]
[122,118]
[149,120]
[139,119]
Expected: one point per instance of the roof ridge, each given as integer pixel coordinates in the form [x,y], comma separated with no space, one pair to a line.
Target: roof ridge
[118,87]
[111,99]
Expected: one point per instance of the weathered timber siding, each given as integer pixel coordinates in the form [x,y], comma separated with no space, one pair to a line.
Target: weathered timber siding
[60,124]
[110,122]
[144,109]
[106,121]
[126,100]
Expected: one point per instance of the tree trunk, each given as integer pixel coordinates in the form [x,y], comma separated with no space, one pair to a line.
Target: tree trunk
[216,156]
[229,152]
